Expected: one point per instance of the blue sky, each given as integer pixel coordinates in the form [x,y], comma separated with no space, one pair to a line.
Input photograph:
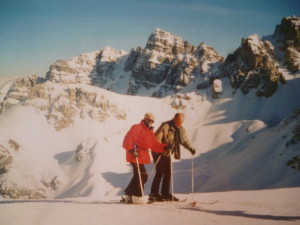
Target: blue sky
[35,33]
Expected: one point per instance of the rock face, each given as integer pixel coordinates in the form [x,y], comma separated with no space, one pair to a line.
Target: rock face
[173,63]
[94,68]
[8,148]
[16,91]
[157,57]
[62,106]
[61,103]
[287,35]
[65,92]
[254,65]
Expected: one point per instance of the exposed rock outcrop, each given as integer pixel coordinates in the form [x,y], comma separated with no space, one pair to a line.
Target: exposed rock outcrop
[173,63]
[17,91]
[62,106]
[287,35]
[8,148]
[73,71]
[254,66]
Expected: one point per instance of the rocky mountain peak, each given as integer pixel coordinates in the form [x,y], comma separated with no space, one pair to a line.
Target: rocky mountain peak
[254,65]
[164,41]
[16,91]
[171,62]
[288,32]
[256,51]
[75,70]
[287,36]
[167,60]
[109,54]
[207,56]
[168,64]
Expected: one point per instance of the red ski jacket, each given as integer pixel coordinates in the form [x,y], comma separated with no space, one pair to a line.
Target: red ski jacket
[144,138]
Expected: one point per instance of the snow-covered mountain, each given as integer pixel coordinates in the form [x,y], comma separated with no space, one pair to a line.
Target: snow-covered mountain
[61,136]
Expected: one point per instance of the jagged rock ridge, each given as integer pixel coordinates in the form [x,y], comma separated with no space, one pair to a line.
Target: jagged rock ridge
[287,34]
[172,63]
[255,65]
[167,65]
[60,103]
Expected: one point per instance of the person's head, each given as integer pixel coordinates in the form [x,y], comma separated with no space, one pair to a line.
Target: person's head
[149,119]
[178,119]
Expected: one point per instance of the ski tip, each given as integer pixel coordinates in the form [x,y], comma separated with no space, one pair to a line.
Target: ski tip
[214,202]
[183,200]
[193,204]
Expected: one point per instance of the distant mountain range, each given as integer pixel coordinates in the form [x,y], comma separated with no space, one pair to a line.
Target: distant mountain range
[168,64]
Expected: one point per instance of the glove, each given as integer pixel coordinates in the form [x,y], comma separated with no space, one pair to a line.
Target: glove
[166,153]
[167,148]
[134,152]
[193,151]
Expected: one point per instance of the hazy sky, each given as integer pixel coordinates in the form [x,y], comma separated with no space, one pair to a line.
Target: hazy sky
[35,33]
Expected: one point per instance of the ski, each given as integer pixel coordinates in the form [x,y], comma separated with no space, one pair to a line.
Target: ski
[209,202]
[195,203]
[182,200]
[192,204]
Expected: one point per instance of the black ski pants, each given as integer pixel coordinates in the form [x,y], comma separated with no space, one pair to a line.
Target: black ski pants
[134,187]
[163,172]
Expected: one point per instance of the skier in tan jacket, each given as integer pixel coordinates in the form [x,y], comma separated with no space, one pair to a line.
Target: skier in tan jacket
[173,134]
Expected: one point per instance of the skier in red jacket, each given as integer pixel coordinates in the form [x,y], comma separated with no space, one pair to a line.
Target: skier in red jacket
[138,140]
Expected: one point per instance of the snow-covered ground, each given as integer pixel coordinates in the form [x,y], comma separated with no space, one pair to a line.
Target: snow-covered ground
[240,161]
[277,206]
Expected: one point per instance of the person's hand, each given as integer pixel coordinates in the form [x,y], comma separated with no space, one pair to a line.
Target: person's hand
[193,151]
[167,148]
[134,152]
[166,153]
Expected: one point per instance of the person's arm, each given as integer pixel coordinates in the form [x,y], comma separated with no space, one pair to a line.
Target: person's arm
[130,138]
[157,146]
[185,141]
[160,132]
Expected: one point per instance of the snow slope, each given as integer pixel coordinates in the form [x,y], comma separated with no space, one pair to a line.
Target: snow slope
[241,142]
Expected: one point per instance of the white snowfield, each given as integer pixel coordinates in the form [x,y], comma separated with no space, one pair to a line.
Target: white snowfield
[264,207]
[240,161]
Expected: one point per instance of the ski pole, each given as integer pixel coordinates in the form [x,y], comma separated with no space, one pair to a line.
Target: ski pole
[172,180]
[154,166]
[193,174]
[139,171]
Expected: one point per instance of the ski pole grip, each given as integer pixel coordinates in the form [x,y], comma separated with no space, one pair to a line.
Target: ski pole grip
[134,146]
